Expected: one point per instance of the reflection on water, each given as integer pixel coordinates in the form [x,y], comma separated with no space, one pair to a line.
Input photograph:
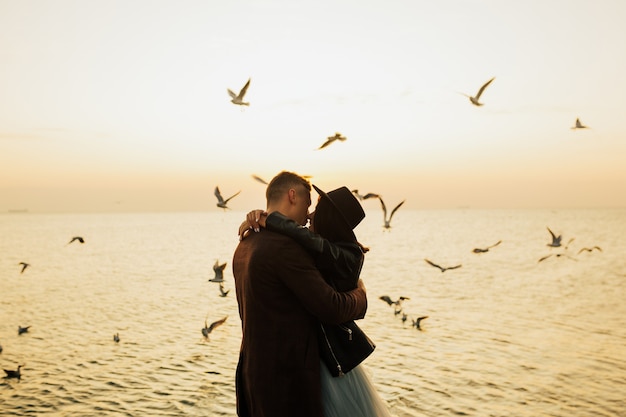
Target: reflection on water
[506,335]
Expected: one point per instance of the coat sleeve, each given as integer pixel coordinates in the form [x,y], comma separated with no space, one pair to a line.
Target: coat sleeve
[340,263]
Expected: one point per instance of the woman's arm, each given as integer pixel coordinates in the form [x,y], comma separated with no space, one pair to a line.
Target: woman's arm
[341,262]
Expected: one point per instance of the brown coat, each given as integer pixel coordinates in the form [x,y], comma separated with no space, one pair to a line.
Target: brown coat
[282,297]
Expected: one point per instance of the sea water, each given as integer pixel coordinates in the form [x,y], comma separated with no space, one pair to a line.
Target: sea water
[506,335]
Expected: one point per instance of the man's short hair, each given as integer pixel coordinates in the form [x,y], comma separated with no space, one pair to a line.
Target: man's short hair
[282,182]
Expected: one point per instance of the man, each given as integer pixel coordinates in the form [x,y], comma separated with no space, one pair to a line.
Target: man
[282,297]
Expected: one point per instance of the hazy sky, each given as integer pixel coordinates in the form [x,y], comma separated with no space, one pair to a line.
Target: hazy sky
[122,105]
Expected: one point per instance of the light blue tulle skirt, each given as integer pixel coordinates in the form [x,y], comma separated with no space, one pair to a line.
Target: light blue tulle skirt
[351,395]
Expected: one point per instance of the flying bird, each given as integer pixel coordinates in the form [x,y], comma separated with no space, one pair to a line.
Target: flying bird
[443,269]
[259,179]
[556,240]
[558,255]
[76,238]
[474,100]
[331,139]
[14,374]
[221,203]
[206,330]
[24,266]
[579,125]
[116,337]
[22,330]
[238,98]
[219,272]
[387,221]
[389,301]
[364,196]
[223,293]
[483,250]
[417,323]
[590,249]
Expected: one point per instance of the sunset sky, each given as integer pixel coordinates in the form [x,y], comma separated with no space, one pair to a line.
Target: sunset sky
[122,105]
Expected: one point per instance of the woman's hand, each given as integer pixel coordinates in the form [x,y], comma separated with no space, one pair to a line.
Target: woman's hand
[256,219]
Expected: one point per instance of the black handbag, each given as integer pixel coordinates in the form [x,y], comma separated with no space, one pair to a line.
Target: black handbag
[343,346]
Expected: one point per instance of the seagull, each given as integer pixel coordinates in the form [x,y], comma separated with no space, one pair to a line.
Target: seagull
[24,266]
[259,179]
[404,317]
[558,255]
[483,250]
[443,269]
[222,292]
[331,139]
[238,98]
[219,272]
[221,203]
[116,337]
[364,197]
[590,249]
[22,330]
[387,221]
[78,238]
[417,322]
[474,100]
[14,374]
[556,240]
[579,125]
[206,330]
[389,301]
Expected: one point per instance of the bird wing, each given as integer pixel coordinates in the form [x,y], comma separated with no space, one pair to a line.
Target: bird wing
[330,140]
[554,238]
[544,258]
[243,90]
[433,264]
[231,93]
[232,196]
[396,209]
[217,193]
[454,267]
[495,244]
[259,179]
[384,207]
[370,195]
[387,299]
[217,323]
[483,88]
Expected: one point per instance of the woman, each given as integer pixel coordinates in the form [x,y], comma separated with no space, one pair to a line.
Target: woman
[339,257]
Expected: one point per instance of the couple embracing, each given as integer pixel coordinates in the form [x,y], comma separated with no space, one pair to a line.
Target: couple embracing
[290,279]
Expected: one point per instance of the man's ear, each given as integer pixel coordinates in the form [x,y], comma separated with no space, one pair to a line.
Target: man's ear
[292,196]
